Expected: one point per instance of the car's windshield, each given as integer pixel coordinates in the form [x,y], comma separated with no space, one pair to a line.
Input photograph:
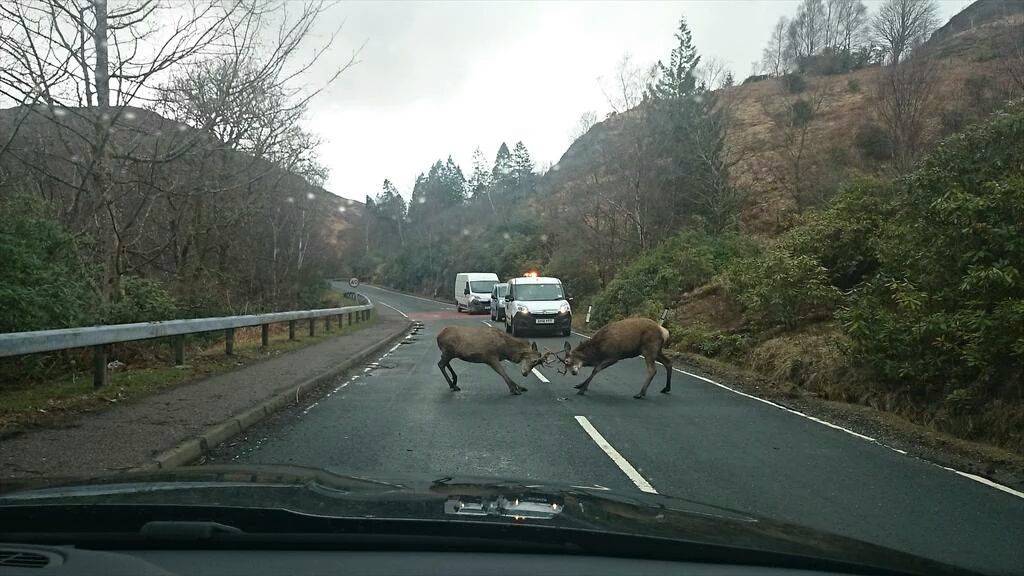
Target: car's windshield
[766,256]
[529,292]
[481,286]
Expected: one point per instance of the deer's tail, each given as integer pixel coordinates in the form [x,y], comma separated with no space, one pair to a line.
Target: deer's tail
[664,334]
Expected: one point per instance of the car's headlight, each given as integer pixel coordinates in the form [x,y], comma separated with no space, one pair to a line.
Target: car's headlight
[474,299]
[564,308]
[522,309]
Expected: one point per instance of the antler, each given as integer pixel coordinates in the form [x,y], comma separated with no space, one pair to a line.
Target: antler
[547,355]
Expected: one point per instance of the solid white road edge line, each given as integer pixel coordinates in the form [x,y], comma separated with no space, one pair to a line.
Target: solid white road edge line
[612,453]
[392,307]
[974,477]
[540,376]
[485,322]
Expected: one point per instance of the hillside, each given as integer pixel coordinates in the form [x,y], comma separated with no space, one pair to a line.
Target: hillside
[170,222]
[969,80]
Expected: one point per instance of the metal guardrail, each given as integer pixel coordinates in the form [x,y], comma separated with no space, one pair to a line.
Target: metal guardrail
[99,338]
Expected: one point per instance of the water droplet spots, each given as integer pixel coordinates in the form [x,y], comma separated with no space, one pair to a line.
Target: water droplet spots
[60,112]
[290,200]
[182,128]
[129,115]
[310,196]
[465,231]
[342,209]
[421,199]
[506,236]
[543,237]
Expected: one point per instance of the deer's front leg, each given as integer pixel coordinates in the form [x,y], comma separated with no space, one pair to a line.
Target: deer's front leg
[512,386]
[583,386]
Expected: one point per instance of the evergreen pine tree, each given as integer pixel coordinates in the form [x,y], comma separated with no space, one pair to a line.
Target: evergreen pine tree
[677,79]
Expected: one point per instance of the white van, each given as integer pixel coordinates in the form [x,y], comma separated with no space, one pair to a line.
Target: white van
[473,291]
[536,303]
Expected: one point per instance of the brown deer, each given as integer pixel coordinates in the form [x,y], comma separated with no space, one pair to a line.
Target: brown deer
[627,338]
[484,345]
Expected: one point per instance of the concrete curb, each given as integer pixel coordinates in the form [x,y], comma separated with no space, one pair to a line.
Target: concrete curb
[192,448]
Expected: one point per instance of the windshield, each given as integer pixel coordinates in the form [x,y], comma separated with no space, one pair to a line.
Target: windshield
[481,286]
[241,233]
[529,292]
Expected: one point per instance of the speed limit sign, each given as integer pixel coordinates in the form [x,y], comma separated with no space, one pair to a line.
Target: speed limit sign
[353,282]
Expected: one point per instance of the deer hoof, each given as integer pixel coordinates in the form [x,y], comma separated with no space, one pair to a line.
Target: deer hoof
[666,390]
[639,396]
[456,388]
[523,388]
[581,392]
[579,386]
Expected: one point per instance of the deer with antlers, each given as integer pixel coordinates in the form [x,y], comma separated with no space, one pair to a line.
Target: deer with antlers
[485,345]
[627,338]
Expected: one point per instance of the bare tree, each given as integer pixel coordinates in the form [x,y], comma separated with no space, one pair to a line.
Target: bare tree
[851,20]
[903,98]
[806,32]
[94,68]
[901,25]
[711,73]
[793,119]
[583,125]
[774,59]
[624,90]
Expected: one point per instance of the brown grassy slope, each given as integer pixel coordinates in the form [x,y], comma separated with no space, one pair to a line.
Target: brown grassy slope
[975,48]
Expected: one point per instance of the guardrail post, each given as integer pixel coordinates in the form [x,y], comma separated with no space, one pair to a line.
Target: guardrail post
[312,326]
[229,341]
[264,335]
[179,350]
[349,318]
[99,365]
[291,329]
[327,323]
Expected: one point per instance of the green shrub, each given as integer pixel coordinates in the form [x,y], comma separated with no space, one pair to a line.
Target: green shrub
[946,310]
[794,83]
[842,237]
[657,278]
[873,142]
[853,86]
[701,339]
[144,300]
[42,283]
[777,288]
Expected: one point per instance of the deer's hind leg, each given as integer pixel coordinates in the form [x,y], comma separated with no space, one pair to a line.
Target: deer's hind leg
[453,380]
[668,371]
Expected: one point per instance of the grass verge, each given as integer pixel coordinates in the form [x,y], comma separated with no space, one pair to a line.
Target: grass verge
[146,370]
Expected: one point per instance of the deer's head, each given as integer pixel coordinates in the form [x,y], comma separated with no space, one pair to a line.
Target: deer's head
[570,361]
[531,359]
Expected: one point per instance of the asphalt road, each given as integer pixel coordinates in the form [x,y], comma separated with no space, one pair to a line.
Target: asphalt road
[702,442]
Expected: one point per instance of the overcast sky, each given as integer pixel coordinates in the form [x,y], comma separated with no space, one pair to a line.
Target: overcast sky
[439,79]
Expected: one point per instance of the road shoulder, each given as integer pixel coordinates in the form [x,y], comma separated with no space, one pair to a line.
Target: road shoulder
[176,426]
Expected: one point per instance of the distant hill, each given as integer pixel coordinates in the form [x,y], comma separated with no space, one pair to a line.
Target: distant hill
[176,205]
[972,53]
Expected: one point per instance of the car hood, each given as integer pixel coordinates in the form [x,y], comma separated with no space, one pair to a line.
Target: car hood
[472,499]
[542,306]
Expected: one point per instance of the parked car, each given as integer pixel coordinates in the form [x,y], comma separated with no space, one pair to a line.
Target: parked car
[473,291]
[537,303]
[498,293]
